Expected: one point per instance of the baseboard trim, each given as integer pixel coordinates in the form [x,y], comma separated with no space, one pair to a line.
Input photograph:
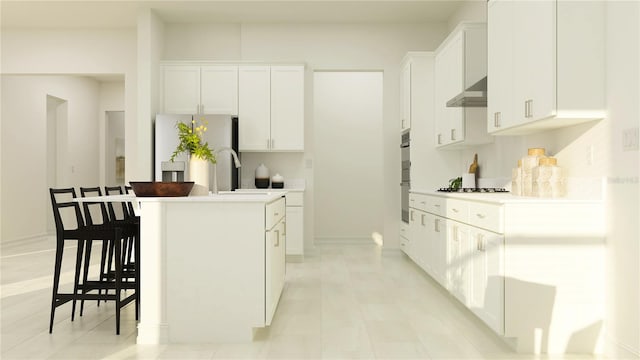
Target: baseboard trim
[617,350]
[26,238]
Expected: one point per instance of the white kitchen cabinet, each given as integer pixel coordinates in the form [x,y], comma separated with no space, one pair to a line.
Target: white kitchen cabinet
[219,89]
[459,63]
[276,239]
[405,95]
[295,223]
[439,248]
[180,89]
[254,107]
[500,41]
[271,108]
[486,277]
[457,261]
[554,52]
[405,236]
[416,236]
[505,254]
[287,108]
[199,89]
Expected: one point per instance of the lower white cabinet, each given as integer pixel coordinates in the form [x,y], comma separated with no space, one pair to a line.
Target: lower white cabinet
[531,273]
[457,260]
[295,223]
[486,276]
[275,244]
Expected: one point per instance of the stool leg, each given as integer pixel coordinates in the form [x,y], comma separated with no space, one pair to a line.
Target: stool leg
[118,274]
[76,280]
[56,281]
[85,274]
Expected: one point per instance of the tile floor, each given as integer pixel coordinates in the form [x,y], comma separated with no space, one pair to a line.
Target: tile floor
[341,302]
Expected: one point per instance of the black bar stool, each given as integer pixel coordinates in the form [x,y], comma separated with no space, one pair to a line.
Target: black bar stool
[70,225]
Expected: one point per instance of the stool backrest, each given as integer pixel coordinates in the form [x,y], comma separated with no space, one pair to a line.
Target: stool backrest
[95,213]
[66,212]
[118,211]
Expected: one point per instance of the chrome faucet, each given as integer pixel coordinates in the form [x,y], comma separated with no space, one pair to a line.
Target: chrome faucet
[236,161]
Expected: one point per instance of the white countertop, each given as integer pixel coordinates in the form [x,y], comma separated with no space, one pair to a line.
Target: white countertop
[223,197]
[504,198]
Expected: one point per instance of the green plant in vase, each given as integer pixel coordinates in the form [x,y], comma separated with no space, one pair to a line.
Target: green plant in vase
[191,141]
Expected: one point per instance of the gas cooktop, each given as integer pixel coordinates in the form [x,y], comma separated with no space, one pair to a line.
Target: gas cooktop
[474,190]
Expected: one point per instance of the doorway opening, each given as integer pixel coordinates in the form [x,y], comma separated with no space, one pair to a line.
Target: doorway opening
[114,149]
[57,119]
[348,152]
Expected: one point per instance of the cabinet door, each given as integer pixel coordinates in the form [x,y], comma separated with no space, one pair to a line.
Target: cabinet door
[423,243]
[254,108]
[180,89]
[486,295]
[438,248]
[274,268]
[219,89]
[500,64]
[295,230]
[449,83]
[405,88]
[534,60]
[414,233]
[287,108]
[457,261]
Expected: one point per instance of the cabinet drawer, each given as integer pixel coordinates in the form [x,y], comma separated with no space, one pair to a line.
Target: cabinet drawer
[486,216]
[274,212]
[457,210]
[418,201]
[436,205]
[404,230]
[295,198]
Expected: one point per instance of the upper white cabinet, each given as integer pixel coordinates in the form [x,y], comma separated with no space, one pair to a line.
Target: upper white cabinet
[460,62]
[271,108]
[287,108]
[199,89]
[545,64]
[254,109]
[405,94]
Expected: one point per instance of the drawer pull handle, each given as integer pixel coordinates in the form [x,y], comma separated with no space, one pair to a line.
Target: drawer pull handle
[276,214]
[455,210]
[423,202]
[277,244]
[436,205]
[481,216]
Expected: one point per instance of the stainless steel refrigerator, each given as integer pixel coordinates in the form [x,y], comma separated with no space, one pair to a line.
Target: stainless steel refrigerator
[222,133]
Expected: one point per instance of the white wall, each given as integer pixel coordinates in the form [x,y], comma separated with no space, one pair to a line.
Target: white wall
[623,249]
[25,201]
[321,47]
[65,52]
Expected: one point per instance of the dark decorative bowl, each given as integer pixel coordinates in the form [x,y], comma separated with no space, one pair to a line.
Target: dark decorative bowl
[161,189]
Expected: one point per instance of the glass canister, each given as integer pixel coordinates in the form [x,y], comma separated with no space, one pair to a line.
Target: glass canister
[528,163]
[516,179]
[548,179]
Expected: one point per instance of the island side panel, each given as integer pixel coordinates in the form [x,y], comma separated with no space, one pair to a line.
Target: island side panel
[152,328]
[215,270]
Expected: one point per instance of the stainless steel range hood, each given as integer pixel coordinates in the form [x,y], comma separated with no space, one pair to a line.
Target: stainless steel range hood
[474,96]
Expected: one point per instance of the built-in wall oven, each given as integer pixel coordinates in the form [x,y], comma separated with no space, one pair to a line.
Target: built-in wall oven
[405,183]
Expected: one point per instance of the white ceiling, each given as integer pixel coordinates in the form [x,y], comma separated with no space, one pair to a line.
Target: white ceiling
[119,14]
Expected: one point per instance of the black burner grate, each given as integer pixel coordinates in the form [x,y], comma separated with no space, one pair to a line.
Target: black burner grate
[474,190]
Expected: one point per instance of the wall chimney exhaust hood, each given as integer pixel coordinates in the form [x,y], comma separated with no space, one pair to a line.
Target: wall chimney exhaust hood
[474,96]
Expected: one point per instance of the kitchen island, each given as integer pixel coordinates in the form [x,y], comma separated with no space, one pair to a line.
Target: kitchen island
[212,267]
